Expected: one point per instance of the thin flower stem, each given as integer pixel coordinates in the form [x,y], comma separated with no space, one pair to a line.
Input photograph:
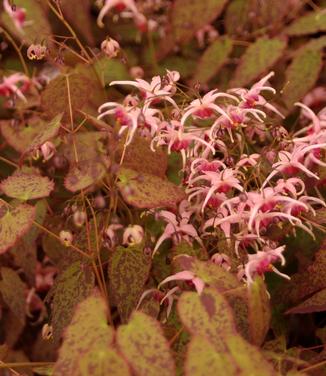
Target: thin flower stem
[71,50]
[11,163]
[314,366]
[20,55]
[25,364]
[72,32]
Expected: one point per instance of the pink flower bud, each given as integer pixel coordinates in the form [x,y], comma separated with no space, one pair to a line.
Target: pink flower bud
[47,150]
[66,238]
[36,52]
[79,218]
[133,235]
[110,47]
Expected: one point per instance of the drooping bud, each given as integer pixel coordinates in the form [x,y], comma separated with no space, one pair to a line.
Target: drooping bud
[66,238]
[79,218]
[133,235]
[36,52]
[48,150]
[110,47]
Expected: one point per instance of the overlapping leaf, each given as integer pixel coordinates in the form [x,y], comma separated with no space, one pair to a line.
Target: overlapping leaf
[188,16]
[146,191]
[13,293]
[257,60]
[87,346]
[25,186]
[71,287]
[84,174]
[143,345]
[14,223]
[316,303]
[212,60]
[128,272]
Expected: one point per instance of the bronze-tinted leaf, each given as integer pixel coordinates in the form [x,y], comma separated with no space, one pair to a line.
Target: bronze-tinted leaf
[128,273]
[87,345]
[71,286]
[188,16]
[13,293]
[24,186]
[257,60]
[14,223]
[146,191]
[316,303]
[143,345]
[310,23]
[85,174]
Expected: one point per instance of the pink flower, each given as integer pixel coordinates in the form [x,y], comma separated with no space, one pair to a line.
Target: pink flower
[186,276]
[14,85]
[48,150]
[17,14]
[261,262]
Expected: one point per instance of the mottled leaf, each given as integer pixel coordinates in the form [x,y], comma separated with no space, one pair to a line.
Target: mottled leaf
[143,345]
[87,343]
[109,70]
[188,16]
[139,157]
[257,60]
[13,293]
[146,191]
[128,272]
[259,311]
[214,57]
[14,223]
[212,274]
[316,303]
[310,23]
[37,28]
[71,287]
[207,315]
[301,75]
[24,186]
[48,132]
[85,174]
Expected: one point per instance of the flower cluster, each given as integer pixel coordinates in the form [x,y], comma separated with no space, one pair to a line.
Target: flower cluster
[237,181]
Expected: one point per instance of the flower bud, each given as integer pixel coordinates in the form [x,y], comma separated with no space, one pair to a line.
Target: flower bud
[79,218]
[133,235]
[47,331]
[66,238]
[110,47]
[36,52]
[47,150]
[136,72]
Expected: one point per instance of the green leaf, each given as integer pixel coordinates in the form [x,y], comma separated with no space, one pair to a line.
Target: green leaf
[188,16]
[310,23]
[20,136]
[258,58]
[146,191]
[212,60]
[13,293]
[48,132]
[259,311]
[14,223]
[109,70]
[212,274]
[207,315]
[37,28]
[301,75]
[71,286]
[143,345]
[316,303]
[128,273]
[84,174]
[140,157]
[24,186]
[87,344]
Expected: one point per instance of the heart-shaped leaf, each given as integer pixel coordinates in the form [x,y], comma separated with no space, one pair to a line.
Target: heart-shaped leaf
[212,60]
[24,186]
[207,315]
[85,174]
[13,293]
[188,16]
[71,286]
[87,344]
[257,59]
[143,345]
[302,74]
[14,223]
[316,303]
[128,272]
[146,191]
[310,23]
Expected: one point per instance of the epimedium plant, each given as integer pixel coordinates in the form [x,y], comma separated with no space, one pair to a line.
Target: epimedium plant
[150,223]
